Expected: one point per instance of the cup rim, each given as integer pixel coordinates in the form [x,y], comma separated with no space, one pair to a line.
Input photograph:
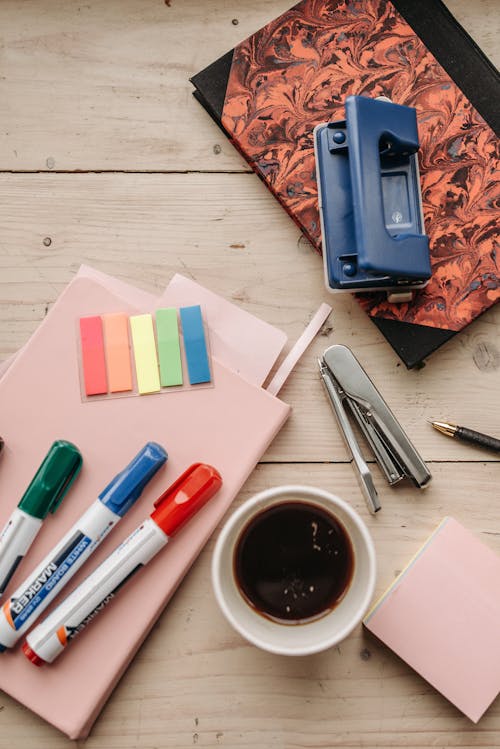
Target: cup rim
[248,508]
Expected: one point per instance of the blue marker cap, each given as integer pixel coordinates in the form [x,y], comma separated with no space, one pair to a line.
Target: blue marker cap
[126,488]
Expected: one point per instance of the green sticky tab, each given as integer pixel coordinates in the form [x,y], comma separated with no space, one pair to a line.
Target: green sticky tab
[169,350]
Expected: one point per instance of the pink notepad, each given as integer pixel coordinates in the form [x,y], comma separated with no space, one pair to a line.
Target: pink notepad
[228,426]
[442,616]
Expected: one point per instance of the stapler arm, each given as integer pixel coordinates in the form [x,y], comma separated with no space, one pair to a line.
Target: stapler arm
[350,389]
[363,472]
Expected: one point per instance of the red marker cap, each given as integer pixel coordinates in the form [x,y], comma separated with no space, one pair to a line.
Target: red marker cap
[31,655]
[186,496]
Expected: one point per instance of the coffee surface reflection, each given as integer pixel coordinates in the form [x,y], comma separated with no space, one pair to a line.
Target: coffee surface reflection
[293,562]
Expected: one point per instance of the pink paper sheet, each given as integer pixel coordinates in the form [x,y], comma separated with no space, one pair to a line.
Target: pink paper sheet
[239,340]
[244,343]
[229,426]
[442,616]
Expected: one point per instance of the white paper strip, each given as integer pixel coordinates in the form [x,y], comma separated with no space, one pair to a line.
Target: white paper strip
[298,349]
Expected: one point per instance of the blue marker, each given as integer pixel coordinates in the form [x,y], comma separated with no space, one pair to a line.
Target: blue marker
[34,595]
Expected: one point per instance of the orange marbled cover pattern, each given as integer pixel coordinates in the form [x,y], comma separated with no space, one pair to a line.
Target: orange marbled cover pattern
[296,72]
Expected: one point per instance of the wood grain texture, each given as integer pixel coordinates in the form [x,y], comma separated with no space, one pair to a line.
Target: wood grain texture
[225,232]
[91,87]
[196,682]
[105,85]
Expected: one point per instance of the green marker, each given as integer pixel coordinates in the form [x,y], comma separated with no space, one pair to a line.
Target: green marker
[169,352]
[45,493]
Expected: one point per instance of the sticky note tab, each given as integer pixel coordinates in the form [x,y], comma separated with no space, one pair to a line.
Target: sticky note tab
[146,362]
[93,361]
[169,350]
[117,348]
[195,345]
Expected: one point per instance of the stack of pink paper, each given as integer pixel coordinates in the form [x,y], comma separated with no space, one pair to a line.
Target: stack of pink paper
[442,615]
[229,426]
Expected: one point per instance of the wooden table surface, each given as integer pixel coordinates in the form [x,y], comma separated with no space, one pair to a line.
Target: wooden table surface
[106,159]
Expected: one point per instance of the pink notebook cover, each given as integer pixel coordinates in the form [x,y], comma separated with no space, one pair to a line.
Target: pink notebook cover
[235,335]
[229,426]
[442,616]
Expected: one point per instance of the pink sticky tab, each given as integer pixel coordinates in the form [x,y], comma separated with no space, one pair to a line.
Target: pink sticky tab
[93,361]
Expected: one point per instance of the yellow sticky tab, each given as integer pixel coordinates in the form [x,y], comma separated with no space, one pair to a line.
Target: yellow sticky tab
[146,360]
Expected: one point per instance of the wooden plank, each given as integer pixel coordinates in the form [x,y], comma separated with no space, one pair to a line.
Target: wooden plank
[196,681]
[105,86]
[241,244]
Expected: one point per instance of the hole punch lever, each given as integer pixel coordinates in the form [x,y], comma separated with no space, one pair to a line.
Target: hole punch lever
[370,201]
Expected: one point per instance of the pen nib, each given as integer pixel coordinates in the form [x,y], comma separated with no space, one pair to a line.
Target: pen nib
[444,428]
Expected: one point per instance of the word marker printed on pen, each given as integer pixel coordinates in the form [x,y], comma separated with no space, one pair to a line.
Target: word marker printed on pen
[146,361]
[195,345]
[37,591]
[172,509]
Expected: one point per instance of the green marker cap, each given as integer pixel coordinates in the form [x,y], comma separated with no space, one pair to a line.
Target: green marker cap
[50,483]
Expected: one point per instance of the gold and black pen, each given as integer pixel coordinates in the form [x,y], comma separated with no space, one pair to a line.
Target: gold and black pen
[468,435]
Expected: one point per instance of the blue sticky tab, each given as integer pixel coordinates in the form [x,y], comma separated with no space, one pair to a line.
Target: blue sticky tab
[195,345]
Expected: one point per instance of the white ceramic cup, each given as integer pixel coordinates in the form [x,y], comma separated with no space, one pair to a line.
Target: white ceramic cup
[309,637]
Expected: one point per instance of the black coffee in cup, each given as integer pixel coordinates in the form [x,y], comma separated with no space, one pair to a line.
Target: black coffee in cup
[293,562]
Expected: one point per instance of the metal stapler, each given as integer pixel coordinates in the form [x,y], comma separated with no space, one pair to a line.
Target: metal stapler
[370,203]
[350,390]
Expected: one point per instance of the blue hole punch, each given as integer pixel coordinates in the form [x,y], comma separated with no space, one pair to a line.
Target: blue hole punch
[370,201]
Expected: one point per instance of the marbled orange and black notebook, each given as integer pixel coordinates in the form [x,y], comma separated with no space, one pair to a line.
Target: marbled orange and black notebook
[270,91]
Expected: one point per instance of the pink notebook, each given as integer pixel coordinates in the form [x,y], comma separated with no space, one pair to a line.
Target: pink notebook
[229,426]
[442,616]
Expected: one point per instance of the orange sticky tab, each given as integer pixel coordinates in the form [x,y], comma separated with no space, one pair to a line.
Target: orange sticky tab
[117,347]
[93,362]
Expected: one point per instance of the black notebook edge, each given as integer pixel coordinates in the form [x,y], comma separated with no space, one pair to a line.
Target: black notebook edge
[411,342]
[211,85]
[457,53]
[465,63]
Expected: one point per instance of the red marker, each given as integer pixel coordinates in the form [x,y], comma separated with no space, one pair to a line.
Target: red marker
[175,507]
